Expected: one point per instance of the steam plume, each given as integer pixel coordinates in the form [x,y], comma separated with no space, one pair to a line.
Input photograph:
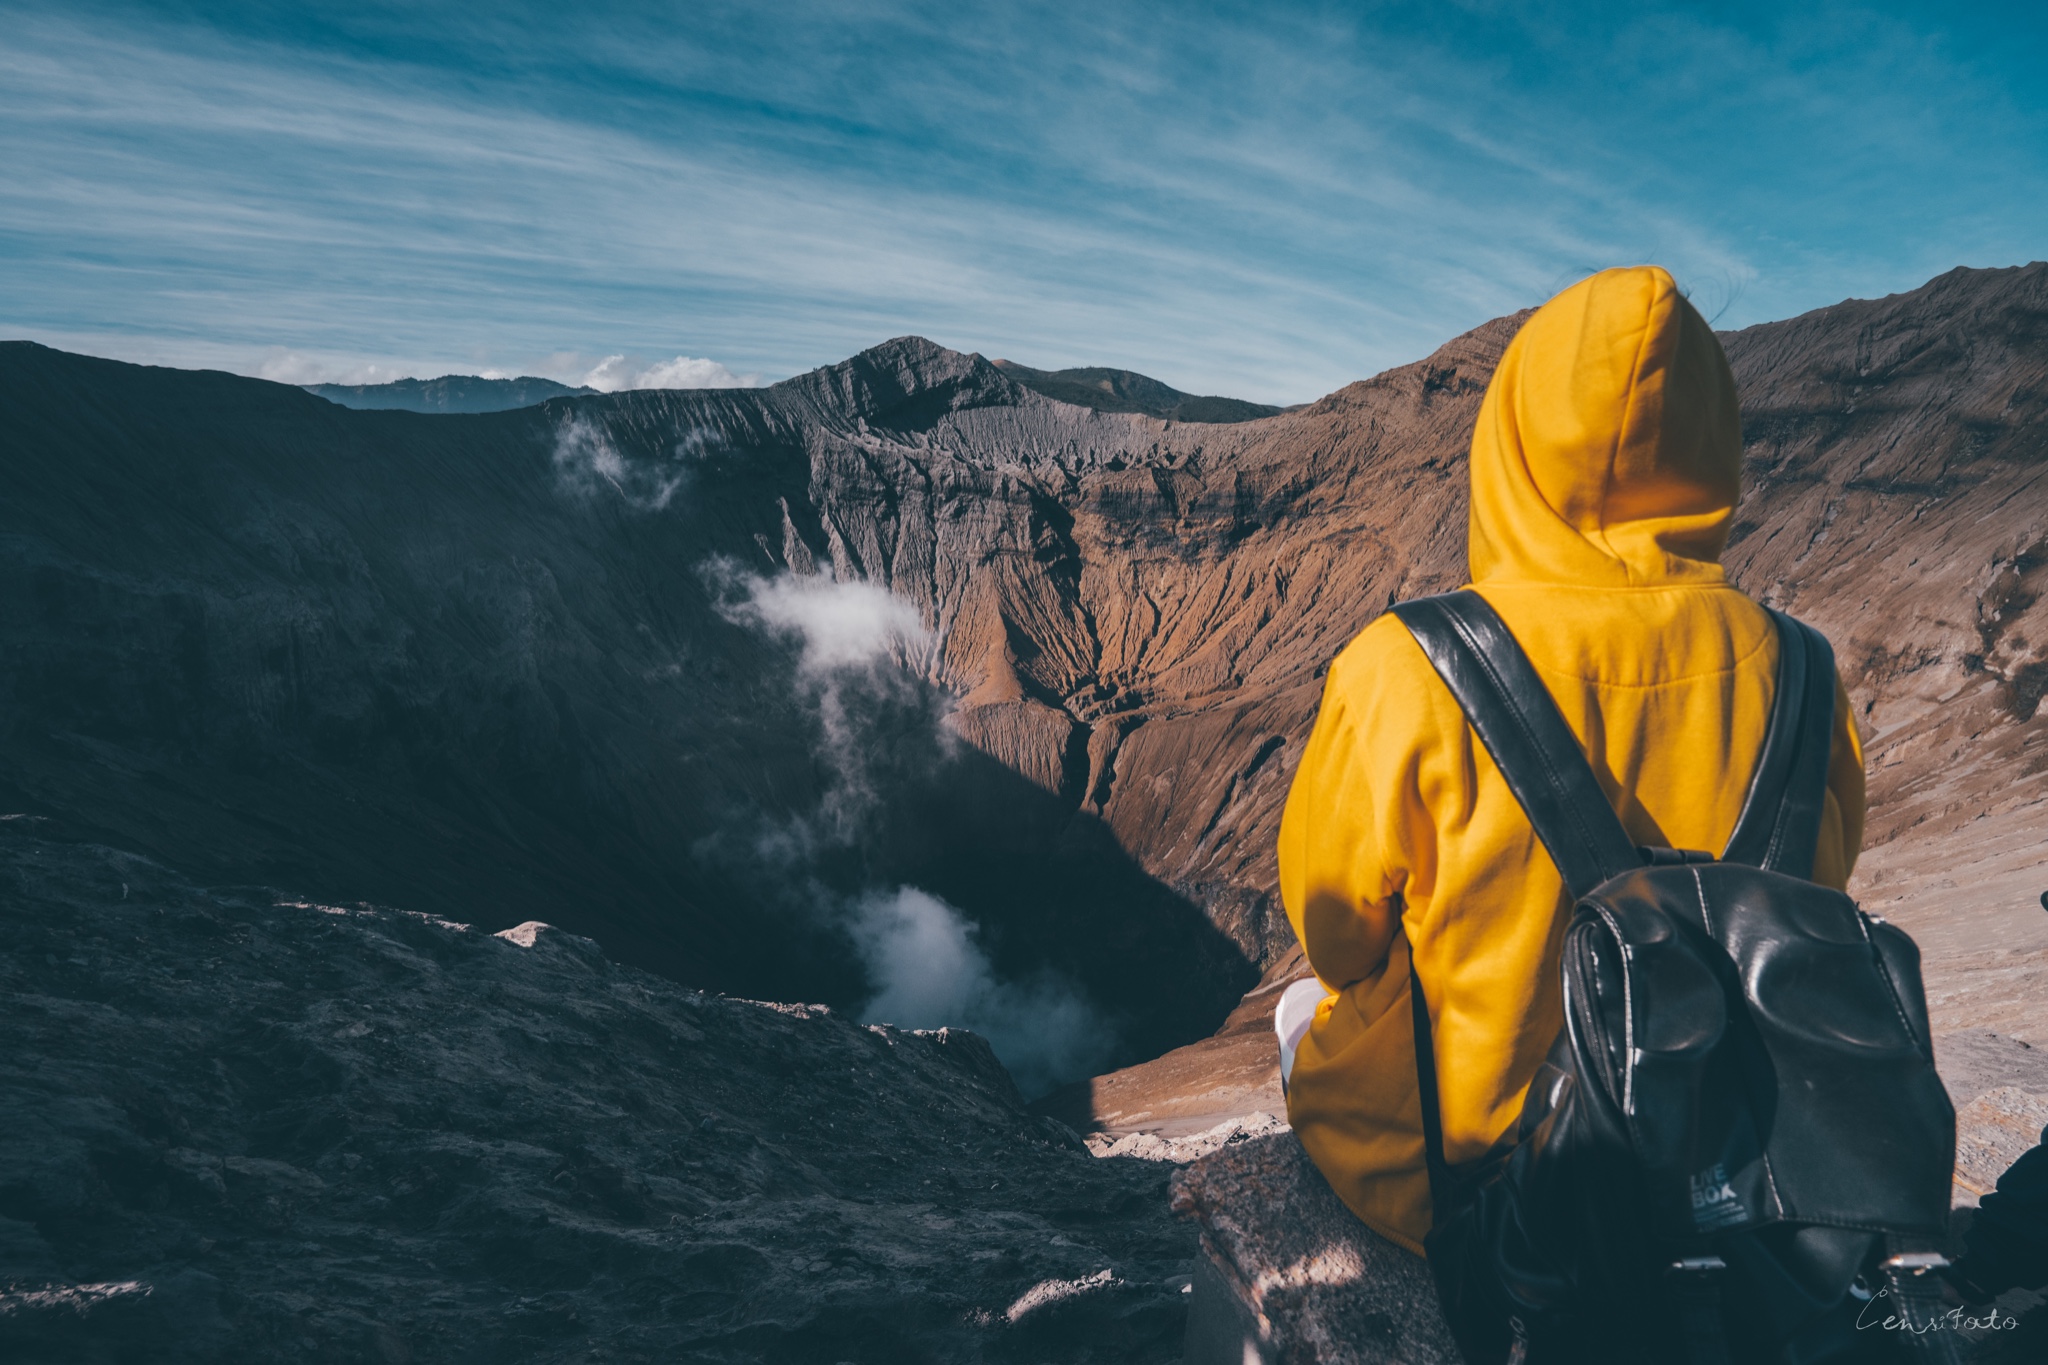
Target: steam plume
[924,960]
[929,970]
[589,464]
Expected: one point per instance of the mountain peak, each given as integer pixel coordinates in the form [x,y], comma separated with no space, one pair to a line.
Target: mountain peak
[905,380]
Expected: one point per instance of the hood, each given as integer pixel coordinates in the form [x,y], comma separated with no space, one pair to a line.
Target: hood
[1608,451]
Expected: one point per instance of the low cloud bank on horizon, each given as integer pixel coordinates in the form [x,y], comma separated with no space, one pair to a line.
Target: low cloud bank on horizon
[613,374]
[1266,202]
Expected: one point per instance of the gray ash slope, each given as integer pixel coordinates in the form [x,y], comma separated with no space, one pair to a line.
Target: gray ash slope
[239,1127]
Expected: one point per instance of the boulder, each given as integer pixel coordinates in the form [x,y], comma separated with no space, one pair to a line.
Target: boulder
[1288,1274]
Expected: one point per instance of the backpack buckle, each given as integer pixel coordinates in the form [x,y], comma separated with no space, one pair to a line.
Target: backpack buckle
[1916,1262]
[1697,1265]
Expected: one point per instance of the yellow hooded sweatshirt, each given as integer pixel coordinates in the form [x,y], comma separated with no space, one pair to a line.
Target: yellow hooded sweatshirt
[1605,472]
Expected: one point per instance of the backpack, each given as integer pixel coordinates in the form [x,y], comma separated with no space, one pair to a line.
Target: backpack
[1738,1148]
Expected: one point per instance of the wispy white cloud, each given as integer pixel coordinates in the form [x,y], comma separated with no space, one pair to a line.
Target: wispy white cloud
[285,366]
[926,962]
[615,373]
[619,372]
[1268,203]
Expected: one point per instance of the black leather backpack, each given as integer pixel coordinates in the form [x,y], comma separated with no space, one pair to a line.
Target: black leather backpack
[1738,1149]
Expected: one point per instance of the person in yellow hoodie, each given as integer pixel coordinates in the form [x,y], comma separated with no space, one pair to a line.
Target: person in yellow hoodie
[1606,467]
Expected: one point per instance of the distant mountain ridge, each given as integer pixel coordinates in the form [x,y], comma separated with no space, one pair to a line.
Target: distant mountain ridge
[1107,390]
[449,393]
[1094,387]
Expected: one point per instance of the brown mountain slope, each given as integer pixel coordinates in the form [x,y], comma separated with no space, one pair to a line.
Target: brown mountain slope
[1899,501]
[488,666]
[1158,647]
[1895,497]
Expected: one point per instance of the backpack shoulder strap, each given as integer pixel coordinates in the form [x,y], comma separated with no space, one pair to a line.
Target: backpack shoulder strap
[1515,717]
[1780,820]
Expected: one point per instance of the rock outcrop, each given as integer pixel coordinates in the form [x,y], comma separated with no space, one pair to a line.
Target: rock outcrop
[1287,1274]
[236,1126]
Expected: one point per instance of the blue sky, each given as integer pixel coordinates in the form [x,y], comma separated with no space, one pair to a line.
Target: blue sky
[1265,201]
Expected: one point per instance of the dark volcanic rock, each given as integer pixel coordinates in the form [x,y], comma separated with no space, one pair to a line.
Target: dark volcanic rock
[477,666]
[235,1126]
[1287,1274]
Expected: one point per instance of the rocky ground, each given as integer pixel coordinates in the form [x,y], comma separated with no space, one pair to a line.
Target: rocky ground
[236,1126]
[1288,1275]
[241,1126]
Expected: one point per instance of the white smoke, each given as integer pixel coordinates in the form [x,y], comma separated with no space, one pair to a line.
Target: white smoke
[853,638]
[616,373]
[924,959]
[929,971]
[842,624]
[588,464]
